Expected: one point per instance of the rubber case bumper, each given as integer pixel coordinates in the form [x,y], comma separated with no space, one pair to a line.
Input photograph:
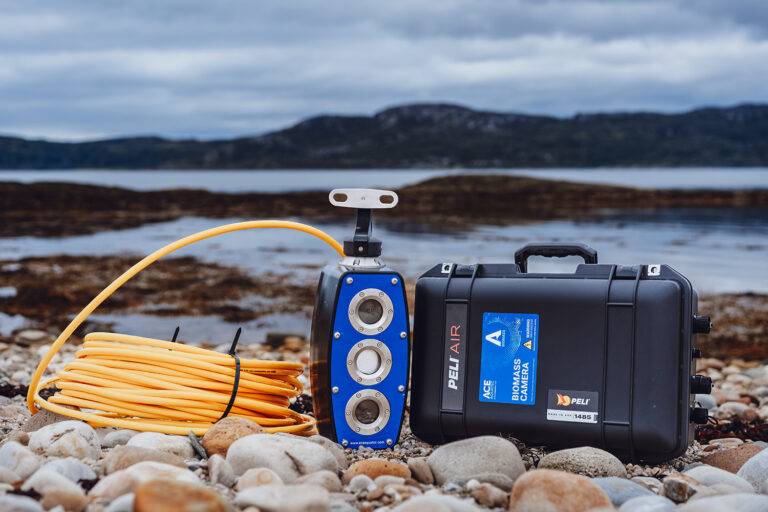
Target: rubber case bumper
[608,333]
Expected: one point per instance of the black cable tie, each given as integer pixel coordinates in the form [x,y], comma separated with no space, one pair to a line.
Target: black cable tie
[175,335]
[237,373]
[234,341]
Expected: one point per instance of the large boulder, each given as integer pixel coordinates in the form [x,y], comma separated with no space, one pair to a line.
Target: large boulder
[175,445]
[556,491]
[288,456]
[755,469]
[66,439]
[585,460]
[709,476]
[486,459]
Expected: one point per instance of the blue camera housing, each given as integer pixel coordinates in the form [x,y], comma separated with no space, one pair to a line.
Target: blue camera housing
[360,341]
[333,339]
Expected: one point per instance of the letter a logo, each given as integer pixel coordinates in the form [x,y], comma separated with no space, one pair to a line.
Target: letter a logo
[494,338]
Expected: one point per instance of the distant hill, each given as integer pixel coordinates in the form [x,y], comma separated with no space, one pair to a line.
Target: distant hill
[436,136]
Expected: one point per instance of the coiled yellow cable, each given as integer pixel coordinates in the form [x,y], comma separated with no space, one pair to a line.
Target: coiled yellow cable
[160,386]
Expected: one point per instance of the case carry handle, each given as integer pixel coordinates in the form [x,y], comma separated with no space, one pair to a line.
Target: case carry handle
[556,250]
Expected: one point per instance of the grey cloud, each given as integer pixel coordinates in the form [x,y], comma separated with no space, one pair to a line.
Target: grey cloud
[84,69]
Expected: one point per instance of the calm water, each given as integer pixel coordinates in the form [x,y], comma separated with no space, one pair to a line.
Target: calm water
[287,180]
[718,250]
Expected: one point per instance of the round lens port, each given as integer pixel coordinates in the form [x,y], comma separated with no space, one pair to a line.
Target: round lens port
[368,361]
[370,311]
[367,411]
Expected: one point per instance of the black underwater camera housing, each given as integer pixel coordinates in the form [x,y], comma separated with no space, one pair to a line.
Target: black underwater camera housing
[603,356]
[360,336]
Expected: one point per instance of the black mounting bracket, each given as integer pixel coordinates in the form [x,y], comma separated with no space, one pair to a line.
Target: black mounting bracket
[364,200]
[363,244]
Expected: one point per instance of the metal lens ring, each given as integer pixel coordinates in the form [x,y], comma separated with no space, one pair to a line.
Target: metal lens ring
[364,348]
[371,300]
[362,407]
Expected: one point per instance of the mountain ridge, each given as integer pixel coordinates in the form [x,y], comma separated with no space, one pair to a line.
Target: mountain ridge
[438,135]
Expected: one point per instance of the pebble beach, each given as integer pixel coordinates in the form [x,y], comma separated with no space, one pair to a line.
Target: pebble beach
[52,462]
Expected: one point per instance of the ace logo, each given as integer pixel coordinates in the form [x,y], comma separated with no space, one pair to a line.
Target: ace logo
[495,337]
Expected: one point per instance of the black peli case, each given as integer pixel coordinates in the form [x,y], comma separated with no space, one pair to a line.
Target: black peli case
[600,357]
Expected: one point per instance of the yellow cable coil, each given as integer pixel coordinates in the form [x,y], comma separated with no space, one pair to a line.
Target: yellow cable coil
[160,386]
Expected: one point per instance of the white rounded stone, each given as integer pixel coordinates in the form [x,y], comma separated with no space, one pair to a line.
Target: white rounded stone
[220,472]
[127,480]
[256,477]
[709,475]
[122,504]
[285,498]
[288,456]
[18,459]
[66,439]
[177,445]
[19,503]
[71,468]
[117,438]
[755,470]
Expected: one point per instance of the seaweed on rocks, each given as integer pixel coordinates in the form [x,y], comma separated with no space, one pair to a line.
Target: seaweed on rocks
[302,404]
[438,203]
[11,390]
[88,483]
[755,431]
[50,289]
[29,493]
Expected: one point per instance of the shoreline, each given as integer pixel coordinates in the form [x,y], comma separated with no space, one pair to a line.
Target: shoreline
[50,290]
[446,203]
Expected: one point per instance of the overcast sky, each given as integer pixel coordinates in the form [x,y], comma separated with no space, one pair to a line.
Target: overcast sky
[75,69]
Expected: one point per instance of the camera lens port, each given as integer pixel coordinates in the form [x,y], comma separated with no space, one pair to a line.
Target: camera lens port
[369,362]
[370,311]
[367,412]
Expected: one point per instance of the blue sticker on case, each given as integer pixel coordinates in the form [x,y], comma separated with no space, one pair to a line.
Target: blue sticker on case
[508,358]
